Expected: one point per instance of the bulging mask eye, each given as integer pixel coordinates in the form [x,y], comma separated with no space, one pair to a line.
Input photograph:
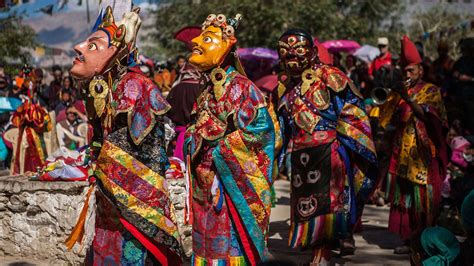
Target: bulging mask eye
[301,51]
[92,47]
[207,39]
[283,51]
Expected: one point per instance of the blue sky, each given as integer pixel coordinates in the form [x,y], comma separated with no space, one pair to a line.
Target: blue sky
[31,9]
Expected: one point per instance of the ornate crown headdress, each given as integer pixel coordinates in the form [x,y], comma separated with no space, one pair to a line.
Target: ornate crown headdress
[121,33]
[228,25]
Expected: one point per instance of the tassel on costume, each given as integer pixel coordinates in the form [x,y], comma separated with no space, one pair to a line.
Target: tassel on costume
[77,232]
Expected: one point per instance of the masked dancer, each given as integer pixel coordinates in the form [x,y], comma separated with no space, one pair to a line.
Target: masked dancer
[230,152]
[135,223]
[329,147]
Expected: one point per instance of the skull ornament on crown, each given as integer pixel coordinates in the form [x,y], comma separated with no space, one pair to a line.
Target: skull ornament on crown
[215,42]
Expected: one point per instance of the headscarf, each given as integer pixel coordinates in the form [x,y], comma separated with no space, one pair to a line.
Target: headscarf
[441,245]
[467,212]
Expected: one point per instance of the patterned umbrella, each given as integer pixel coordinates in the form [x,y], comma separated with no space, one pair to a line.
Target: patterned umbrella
[258,53]
[9,104]
[336,46]
[367,53]
[258,61]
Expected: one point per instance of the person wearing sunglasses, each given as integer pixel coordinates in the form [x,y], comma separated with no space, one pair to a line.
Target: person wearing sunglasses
[384,58]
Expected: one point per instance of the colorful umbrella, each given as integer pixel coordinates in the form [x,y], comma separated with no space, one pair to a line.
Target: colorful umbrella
[9,104]
[367,53]
[336,46]
[257,53]
[258,62]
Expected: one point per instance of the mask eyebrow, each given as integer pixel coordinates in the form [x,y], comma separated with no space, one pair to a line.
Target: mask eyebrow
[96,38]
[210,31]
[210,34]
[280,43]
[300,43]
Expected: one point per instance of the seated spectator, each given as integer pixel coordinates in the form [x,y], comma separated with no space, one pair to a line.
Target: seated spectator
[70,125]
[460,175]
[65,101]
[456,128]
[460,158]
[79,105]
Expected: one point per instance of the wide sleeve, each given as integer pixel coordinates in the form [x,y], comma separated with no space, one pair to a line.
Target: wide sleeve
[431,100]
[431,130]
[357,149]
[353,126]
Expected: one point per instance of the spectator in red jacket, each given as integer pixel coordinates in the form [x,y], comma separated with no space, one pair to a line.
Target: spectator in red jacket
[385,57]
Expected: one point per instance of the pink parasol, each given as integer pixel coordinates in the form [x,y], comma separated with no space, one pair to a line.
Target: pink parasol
[258,53]
[335,46]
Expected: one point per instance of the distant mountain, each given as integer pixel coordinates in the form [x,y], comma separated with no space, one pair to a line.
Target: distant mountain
[63,30]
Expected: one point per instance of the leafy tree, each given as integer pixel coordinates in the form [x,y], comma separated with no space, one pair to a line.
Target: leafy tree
[15,38]
[440,24]
[265,20]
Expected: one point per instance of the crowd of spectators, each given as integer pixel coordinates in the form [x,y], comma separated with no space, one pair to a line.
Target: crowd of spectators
[60,98]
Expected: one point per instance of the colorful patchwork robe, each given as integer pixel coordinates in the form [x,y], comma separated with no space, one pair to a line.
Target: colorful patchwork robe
[231,151]
[135,217]
[418,162]
[329,153]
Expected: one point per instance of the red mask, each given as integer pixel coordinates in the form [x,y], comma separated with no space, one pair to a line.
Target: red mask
[296,54]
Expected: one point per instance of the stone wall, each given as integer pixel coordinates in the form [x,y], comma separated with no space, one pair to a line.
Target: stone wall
[177,189]
[36,217]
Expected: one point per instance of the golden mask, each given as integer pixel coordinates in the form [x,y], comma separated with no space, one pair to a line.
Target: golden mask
[210,48]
